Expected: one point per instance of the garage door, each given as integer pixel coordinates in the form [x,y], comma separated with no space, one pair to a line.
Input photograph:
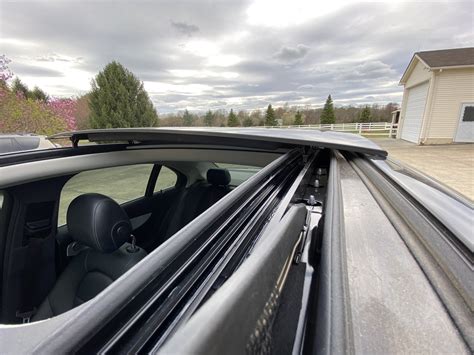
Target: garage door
[416,100]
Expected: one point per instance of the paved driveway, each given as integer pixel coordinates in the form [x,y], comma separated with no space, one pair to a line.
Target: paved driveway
[452,165]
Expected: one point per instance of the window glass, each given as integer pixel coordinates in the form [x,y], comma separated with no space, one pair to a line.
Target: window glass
[16,144]
[239,173]
[122,183]
[468,114]
[6,145]
[27,143]
[167,178]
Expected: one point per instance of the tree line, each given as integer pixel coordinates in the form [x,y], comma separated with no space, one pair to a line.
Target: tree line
[285,115]
[118,99]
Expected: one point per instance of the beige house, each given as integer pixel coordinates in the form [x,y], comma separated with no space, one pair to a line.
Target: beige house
[438,97]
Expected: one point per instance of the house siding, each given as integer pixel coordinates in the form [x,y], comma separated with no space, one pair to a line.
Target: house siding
[452,88]
[418,75]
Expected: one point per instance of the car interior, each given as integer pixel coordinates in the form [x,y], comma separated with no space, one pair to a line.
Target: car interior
[65,238]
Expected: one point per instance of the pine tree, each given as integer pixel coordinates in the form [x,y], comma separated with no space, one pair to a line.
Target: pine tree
[247,122]
[19,88]
[232,121]
[327,116]
[270,119]
[298,119]
[365,115]
[38,94]
[188,119]
[118,99]
[209,118]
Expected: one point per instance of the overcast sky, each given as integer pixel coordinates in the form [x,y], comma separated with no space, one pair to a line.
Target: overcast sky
[231,54]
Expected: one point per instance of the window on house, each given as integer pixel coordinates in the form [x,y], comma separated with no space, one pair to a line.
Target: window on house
[468,115]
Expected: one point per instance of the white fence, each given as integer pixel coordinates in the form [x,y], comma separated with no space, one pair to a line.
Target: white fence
[385,129]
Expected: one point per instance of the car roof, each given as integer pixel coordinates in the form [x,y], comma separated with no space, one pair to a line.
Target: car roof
[272,138]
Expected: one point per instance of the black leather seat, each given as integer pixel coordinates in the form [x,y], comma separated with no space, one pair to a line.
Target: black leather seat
[218,180]
[193,201]
[100,228]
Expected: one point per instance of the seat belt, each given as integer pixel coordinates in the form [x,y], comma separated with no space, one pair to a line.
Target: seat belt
[38,277]
[27,307]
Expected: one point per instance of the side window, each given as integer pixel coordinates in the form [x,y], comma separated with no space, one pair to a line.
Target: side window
[167,178]
[239,173]
[122,183]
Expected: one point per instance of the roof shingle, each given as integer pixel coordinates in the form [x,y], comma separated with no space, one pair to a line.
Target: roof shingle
[448,57]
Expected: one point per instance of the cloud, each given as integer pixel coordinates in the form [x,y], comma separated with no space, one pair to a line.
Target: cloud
[53,57]
[288,54]
[35,71]
[185,28]
[190,54]
[306,87]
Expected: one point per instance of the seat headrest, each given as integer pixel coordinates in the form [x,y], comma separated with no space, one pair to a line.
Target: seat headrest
[99,222]
[218,177]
